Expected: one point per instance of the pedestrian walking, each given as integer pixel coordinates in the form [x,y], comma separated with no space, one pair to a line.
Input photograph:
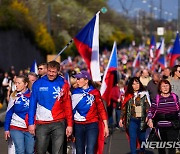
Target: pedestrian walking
[16,126]
[87,109]
[163,115]
[134,112]
[51,106]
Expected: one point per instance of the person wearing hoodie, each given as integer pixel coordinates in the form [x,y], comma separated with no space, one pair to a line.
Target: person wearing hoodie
[16,126]
[90,116]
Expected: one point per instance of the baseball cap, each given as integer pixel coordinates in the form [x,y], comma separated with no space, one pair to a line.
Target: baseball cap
[83,74]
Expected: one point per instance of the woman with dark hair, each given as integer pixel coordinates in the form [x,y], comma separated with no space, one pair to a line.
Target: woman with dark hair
[134,111]
[88,108]
[164,114]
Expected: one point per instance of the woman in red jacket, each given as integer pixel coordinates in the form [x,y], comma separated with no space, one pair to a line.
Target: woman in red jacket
[87,109]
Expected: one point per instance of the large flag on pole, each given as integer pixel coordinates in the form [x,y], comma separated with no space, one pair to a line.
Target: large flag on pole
[87,43]
[109,75]
[34,67]
[175,51]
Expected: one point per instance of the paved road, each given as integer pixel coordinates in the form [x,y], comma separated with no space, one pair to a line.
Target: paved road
[116,143]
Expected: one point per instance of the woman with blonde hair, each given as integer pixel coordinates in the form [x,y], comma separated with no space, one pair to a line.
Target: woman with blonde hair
[16,126]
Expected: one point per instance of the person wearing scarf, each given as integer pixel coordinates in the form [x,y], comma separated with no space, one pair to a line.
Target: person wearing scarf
[16,120]
[134,111]
[88,109]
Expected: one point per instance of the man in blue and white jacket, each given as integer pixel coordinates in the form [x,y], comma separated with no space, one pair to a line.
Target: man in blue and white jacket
[50,106]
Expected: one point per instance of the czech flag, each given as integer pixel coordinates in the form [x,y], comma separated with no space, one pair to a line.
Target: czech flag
[109,75]
[159,52]
[87,43]
[162,61]
[175,51]
[152,47]
[34,67]
[137,60]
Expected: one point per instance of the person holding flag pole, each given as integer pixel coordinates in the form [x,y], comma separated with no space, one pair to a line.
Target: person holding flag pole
[87,43]
[88,110]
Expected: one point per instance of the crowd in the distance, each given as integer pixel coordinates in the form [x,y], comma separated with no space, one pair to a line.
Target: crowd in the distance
[44,110]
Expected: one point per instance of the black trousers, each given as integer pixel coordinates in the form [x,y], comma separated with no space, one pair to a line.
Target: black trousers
[168,134]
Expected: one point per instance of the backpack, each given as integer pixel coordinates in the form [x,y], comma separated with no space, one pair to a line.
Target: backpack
[157,102]
[175,123]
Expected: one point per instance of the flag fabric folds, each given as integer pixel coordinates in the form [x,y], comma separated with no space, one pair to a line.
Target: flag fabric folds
[159,52]
[175,51]
[87,44]
[152,47]
[34,67]
[137,60]
[162,61]
[109,75]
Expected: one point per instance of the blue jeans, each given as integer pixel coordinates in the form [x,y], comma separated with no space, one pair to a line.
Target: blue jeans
[86,135]
[23,141]
[118,113]
[44,132]
[134,133]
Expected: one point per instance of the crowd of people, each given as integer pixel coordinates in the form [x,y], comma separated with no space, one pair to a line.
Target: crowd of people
[45,110]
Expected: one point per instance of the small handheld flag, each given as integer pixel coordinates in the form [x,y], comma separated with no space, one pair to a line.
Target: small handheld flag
[34,67]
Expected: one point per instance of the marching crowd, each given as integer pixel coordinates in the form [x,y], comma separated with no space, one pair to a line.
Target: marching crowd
[45,110]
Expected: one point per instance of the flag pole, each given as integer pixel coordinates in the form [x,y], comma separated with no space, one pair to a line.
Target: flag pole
[63,49]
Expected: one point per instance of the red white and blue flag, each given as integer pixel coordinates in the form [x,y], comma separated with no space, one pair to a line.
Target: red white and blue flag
[137,60]
[175,51]
[34,67]
[159,52]
[162,61]
[152,47]
[87,43]
[109,75]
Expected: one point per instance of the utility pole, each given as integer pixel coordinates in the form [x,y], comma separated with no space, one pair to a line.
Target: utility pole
[151,17]
[160,11]
[178,21]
